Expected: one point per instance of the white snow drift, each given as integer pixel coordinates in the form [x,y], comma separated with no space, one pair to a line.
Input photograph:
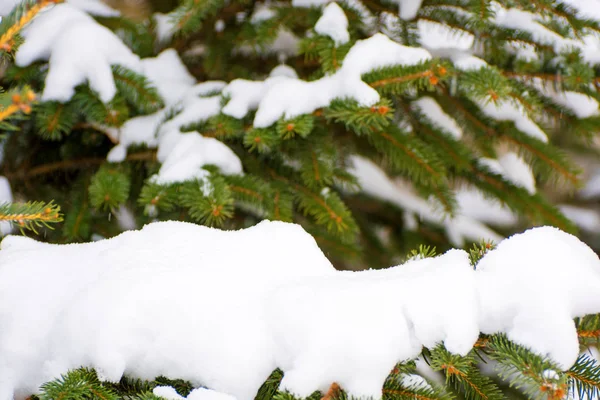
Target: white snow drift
[191,302]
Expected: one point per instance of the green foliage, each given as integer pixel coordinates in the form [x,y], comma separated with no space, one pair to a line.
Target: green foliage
[136,90]
[77,385]
[299,169]
[208,199]
[109,188]
[31,215]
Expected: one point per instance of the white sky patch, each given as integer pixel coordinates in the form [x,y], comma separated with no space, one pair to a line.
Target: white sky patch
[333,23]
[143,281]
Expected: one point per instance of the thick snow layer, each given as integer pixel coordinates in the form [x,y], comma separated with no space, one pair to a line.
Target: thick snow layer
[563,266]
[272,96]
[393,326]
[172,299]
[5,197]
[333,23]
[63,35]
[375,182]
[432,110]
[504,110]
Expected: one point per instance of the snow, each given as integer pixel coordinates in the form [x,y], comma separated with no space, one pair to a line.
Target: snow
[433,35]
[169,75]
[408,8]
[165,27]
[219,25]
[169,393]
[586,219]
[393,326]
[262,13]
[520,20]
[375,182]
[272,100]
[7,6]
[469,63]
[563,266]
[591,190]
[162,301]
[182,154]
[474,204]
[309,3]
[94,7]
[285,71]
[333,23]
[516,170]
[505,110]
[6,196]
[188,152]
[438,117]
[581,104]
[63,35]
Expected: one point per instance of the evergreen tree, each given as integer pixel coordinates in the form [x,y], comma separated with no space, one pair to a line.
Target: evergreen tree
[376,125]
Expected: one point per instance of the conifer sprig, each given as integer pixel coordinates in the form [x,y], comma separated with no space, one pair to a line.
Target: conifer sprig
[21,15]
[31,215]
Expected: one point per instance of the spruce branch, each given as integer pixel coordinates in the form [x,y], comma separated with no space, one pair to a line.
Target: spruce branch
[31,215]
[584,377]
[18,19]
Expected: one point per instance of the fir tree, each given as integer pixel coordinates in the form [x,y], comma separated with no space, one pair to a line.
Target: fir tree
[374,127]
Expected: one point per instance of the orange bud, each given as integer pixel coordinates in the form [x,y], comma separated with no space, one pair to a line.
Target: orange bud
[442,70]
[16,98]
[106,197]
[257,139]
[26,108]
[433,80]
[290,127]
[373,109]
[383,110]
[30,95]
[154,200]
[48,210]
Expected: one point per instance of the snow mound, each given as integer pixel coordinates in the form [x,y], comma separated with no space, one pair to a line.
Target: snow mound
[173,299]
[533,285]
